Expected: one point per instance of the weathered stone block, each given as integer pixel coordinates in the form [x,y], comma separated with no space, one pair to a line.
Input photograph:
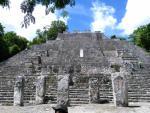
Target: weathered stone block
[63,90]
[40,89]
[120,89]
[19,91]
[94,90]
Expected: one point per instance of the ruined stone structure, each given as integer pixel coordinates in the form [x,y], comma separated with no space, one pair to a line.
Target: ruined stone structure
[83,63]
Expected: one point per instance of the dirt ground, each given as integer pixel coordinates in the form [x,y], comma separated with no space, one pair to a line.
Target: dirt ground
[90,108]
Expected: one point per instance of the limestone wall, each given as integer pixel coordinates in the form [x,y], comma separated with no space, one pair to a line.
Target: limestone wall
[63,57]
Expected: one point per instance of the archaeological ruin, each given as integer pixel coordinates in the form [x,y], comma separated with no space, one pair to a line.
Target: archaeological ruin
[77,68]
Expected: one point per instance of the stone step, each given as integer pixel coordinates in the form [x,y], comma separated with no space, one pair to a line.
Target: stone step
[74,92]
[140,95]
[137,83]
[138,91]
[78,89]
[78,96]
[51,91]
[79,102]
[79,99]
[51,88]
[6,95]
[28,99]
[6,91]
[6,103]
[138,87]
[136,100]
[74,104]
[136,76]
[134,73]
[6,98]
[139,98]
[135,88]
[78,93]
[51,95]
[139,78]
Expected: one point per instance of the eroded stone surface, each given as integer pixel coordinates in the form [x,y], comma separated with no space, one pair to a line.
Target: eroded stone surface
[63,55]
[19,91]
[91,108]
[63,90]
[94,90]
[120,89]
[40,89]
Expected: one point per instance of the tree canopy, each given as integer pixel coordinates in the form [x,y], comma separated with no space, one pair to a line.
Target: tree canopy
[113,37]
[14,49]
[40,38]
[1,30]
[4,50]
[117,37]
[56,27]
[50,33]
[27,7]
[4,3]
[141,37]
[13,39]
[10,43]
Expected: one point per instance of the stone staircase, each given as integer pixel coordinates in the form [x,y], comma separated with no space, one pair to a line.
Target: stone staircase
[53,55]
[139,79]
[78,96]
[51,95]
[51,90]
[6,93]
[29,89]
[139,83]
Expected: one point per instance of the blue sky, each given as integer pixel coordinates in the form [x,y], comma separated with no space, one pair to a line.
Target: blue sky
[81,15]
[87,4]
[119,17]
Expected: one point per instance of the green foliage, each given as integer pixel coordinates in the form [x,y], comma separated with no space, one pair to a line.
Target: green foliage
[27,8]
[1,30]
[64,14]
[4,3]
[113,37]
[121,38]
[117,37]
[10,44]
[49,34]
[56,27]
[141,37]
[14,50]
[4,51]
[39,39]
[13,39]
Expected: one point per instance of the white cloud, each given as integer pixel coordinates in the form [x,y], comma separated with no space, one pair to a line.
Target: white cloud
[103,17]
[12,18]
[137,14]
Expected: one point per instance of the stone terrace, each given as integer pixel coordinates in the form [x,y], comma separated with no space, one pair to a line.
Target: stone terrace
[64,56]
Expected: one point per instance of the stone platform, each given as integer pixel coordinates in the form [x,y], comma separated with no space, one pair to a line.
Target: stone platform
[90,108]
